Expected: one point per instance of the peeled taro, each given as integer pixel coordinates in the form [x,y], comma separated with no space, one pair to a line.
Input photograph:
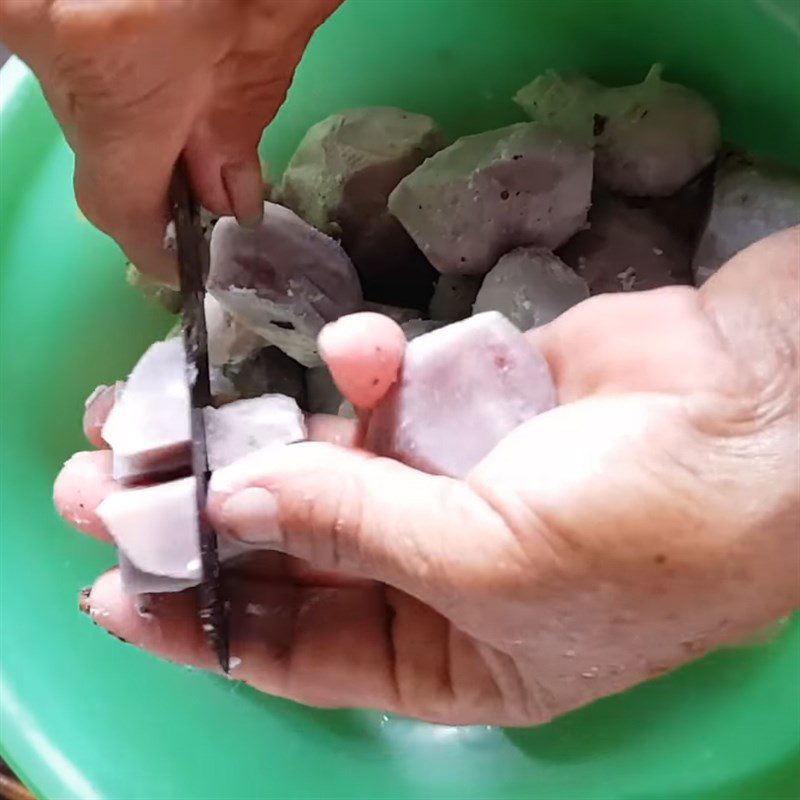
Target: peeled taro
[753,198]
[462,389]
[283,279]
[486,194]
[627,249]
[242,427]
[339,180]
[148,427]
[530,286]
[650,138]
[453,296]
[155,527]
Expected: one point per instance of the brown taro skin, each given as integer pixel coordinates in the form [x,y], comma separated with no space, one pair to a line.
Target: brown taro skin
[462,389]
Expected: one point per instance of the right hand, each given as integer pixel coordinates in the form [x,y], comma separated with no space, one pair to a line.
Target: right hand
[133,83]
[650,517]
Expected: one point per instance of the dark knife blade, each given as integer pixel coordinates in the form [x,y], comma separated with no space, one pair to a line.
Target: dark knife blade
[193,271]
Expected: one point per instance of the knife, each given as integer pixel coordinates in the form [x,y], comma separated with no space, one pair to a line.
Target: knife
[193,271]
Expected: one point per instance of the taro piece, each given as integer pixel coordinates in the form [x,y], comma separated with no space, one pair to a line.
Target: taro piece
[627,249]
[650,138]
[462,389]
[245,426]
[487,194]
[282,279]
[148,427]
[753,198]
[531,287]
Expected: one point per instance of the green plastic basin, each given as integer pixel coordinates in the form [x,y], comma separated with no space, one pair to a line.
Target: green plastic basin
[84,716]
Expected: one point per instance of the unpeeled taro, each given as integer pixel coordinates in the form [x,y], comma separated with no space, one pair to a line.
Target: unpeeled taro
[339,179]
[627,249]
[486,194]
[454,296]
[462,389]
[753,198]
[283,279]
[148,427]
[530,286]
[651,138]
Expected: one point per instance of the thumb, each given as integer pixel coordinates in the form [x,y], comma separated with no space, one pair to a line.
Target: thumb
[350,511]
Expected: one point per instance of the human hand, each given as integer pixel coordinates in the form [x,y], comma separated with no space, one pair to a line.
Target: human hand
[650,517]
[133,83]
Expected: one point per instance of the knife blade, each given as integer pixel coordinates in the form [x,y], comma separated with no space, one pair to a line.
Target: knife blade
[193,270]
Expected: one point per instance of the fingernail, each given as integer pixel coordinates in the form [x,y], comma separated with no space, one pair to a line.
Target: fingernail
[84,606]
[245,189]
[251,515]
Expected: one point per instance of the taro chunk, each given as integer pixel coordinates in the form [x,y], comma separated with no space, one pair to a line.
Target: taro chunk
[462,389]
[282,279]
[531,287]
[650,138]
[453,296]
[488,193]
[242,427]
[148,427]
[155,528]
[753,198]
[339,180]
[627,249]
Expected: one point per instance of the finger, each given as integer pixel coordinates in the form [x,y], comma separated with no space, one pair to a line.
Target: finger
[83,483]
[98,407]
[250,86]
[138,77]
[347,510]
[357,647]
[364,353]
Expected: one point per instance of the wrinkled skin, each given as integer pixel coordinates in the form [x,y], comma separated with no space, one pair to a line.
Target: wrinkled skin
[650,517]
[135,82]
